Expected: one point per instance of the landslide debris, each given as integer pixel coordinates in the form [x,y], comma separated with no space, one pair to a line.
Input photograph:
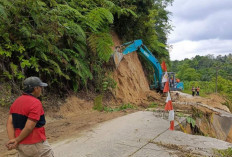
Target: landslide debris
[132,84]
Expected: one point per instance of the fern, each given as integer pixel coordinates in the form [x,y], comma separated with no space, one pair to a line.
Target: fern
[127,12]
[101,44]
[65,58]
[106,4]
[3,14]
[81,69]
[69,12]
[43,56]
[52,3]
[57,69]
[98,18]
[75,32]
[81,48]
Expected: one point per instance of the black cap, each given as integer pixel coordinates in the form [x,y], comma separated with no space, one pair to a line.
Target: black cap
[31,82]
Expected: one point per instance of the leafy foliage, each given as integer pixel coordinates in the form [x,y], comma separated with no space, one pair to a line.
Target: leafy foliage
[67,42]
[48,39]
[151,25]
[122,107]
[101,42]
[223,153]
[201,71]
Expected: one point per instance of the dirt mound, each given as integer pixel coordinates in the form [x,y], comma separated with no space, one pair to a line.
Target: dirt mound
[213,100]
[132,84]
[73,105]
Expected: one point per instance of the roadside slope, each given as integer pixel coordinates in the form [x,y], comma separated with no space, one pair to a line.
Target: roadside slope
[132,84]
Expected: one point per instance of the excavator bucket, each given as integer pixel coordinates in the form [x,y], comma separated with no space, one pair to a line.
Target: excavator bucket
[118,56]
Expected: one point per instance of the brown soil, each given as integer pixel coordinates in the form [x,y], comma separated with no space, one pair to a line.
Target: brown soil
[213,100]
[132,85]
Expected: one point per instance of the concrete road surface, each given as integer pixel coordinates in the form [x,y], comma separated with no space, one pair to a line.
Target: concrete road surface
[141,134]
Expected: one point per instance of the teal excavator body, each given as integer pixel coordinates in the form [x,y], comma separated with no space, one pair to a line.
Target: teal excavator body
[137,45]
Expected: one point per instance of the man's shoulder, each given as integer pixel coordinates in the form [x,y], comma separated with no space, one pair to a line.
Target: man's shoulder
[29,99]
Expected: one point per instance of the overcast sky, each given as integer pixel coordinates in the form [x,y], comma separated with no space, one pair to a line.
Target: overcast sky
[201,27]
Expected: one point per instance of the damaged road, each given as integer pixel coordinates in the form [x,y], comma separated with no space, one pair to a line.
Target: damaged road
[143,133]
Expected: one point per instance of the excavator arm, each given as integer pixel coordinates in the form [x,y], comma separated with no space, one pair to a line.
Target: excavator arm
[137,45]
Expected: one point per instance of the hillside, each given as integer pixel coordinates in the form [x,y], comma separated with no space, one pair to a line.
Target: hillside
[132,84]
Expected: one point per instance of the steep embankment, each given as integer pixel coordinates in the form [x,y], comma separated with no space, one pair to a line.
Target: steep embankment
[211,118]
[132,84]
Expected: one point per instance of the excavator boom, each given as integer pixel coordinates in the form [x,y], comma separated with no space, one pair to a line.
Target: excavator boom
[137,45]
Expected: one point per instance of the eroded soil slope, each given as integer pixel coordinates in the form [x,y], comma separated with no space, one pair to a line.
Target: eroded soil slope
[132,84]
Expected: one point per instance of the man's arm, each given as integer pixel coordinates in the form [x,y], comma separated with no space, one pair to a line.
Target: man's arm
[30,125]
[10,128]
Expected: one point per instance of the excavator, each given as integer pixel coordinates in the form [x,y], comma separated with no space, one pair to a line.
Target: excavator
[137,45]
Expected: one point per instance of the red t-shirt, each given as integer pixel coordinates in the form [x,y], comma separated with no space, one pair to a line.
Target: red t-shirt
[24,107]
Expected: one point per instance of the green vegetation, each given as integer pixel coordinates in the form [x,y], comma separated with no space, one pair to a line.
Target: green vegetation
[180,114]
[224,153]
[98,103]
[5,94]
[190,120]
[122,107]
[68,43]
[205,72]
[153,105]
[196,113]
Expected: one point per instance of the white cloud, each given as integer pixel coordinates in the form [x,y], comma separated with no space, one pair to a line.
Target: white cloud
[217,25]
[200,28]
[189,49]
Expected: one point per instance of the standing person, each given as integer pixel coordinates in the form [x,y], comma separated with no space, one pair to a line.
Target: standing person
[193,91]
[172,82]
[25,124]
[198,90]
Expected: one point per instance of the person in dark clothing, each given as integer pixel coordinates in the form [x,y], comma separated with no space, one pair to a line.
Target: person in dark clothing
[193,91]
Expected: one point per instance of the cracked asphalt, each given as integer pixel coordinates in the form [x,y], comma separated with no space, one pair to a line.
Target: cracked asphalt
[140,134]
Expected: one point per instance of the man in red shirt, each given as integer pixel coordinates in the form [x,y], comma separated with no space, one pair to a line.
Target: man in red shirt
[25,124]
